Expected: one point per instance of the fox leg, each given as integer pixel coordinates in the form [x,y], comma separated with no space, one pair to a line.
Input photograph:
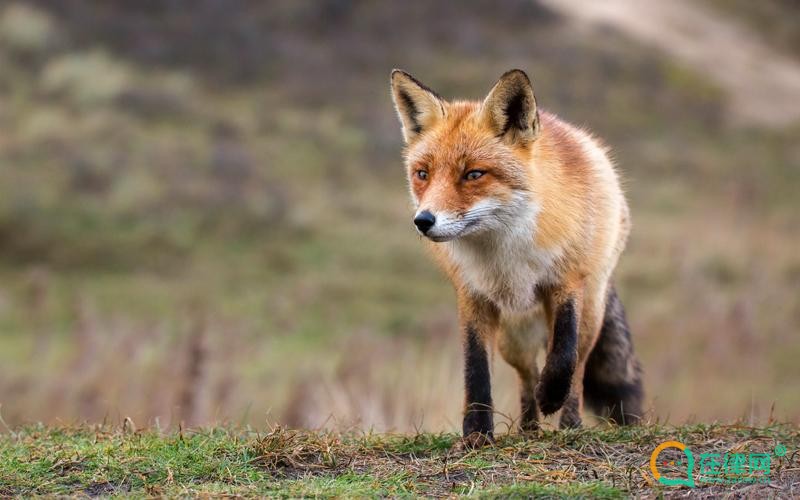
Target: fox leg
[588,331]
[479,322]
[612,383]
[563,312]
[518,344]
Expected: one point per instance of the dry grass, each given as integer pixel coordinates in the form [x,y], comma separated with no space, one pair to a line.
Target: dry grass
[605,462]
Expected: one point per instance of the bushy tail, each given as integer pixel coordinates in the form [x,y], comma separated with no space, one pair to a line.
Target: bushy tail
[612,382]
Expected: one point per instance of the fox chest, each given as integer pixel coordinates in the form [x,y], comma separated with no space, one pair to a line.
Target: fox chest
[508,277]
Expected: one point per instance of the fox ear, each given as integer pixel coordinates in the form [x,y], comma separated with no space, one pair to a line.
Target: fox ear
[510,108]
[418,107]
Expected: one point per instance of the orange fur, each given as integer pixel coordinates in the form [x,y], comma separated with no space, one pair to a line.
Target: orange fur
[551,218]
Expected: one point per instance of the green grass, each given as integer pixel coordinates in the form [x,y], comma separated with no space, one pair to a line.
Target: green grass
[537,490]
[598,462]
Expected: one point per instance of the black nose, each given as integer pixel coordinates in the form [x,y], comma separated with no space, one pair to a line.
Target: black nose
[424,221]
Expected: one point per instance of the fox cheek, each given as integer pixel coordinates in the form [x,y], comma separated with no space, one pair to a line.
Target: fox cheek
[416,196]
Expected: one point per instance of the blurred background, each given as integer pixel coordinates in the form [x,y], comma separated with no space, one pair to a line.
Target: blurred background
[204,216]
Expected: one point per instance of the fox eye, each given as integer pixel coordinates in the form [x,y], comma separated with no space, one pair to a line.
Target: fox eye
[422,175]
[474,174]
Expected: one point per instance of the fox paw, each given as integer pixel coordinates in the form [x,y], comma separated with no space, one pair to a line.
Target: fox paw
[551,396]
[529,426]
[473,441]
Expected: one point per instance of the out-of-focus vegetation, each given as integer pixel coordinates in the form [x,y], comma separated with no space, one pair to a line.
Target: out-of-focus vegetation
[203,214]
[775,20]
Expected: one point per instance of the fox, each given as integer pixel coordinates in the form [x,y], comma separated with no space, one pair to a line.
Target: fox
[526,215]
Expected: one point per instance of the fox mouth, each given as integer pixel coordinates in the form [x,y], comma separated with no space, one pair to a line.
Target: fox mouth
[442,238]
[484,219]
[453,230]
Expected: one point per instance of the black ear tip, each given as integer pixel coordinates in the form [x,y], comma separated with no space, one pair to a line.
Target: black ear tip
[396,72]
[517,75]
[403,79]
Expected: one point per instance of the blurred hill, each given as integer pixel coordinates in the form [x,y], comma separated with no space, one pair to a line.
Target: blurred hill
[761,85]
[203,214]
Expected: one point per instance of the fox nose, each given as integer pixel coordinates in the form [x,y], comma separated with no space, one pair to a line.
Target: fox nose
[424,221]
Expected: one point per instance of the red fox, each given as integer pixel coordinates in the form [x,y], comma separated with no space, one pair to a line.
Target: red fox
[525,214]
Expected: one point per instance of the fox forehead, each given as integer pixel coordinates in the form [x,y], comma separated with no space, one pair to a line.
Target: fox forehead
[462,141]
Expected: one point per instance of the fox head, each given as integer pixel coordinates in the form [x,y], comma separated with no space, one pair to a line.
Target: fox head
[468,162]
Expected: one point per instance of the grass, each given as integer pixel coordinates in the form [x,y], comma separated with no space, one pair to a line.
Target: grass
[600,462]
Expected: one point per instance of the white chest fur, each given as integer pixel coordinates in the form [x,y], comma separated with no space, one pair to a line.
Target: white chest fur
[505,267]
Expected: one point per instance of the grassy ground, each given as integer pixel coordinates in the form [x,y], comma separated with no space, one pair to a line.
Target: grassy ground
[599,462]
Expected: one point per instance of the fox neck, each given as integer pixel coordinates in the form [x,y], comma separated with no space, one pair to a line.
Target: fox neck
[504,264]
